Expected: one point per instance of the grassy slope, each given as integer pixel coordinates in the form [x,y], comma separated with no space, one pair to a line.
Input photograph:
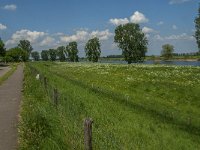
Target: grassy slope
[135,106]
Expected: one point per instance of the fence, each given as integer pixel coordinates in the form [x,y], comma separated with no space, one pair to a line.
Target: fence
[54,96]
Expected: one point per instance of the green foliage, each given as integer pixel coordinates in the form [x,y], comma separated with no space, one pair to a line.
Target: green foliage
[2,48]
[45,55]
[133,106]
[93,49]
[167,51]
[26,46]
[197,26]
[61,53]
[132,41]
[52,54]
[16,54]
[35,55]
[72,51]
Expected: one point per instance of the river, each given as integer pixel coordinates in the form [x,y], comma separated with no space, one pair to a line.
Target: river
[179,63]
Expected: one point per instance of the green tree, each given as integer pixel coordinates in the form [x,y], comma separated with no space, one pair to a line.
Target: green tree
[2,49]
[52,54]
[25,45]
[197,26]
[167,51]
[17,54]
[61,53]
[93,49]
[35,55]
[72,51]
[132,41]
[45,55]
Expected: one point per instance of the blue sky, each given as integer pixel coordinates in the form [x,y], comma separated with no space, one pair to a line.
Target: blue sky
[49,23]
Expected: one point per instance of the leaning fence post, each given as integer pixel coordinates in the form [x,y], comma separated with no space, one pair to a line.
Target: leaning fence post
[88,133]
[55,97]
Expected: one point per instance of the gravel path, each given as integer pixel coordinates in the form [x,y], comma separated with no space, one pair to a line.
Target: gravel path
[10,96]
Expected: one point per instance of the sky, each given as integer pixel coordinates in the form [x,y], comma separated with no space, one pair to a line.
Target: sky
[52,23]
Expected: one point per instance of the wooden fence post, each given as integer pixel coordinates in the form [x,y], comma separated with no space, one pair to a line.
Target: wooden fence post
[55,97]
[88,133]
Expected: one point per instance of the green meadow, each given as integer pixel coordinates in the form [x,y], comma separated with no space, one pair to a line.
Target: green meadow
[133,106]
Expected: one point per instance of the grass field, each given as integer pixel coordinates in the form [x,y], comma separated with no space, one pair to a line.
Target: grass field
[133,106]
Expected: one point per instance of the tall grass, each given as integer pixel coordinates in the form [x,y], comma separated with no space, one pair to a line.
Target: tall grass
[133,106]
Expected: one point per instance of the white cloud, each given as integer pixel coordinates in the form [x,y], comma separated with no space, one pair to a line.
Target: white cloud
[119,21]
[83,35]
[3,27]
[160,23]
[147,30]
[47,41]
[32,36]
[171,2]
[174,27]
[11,7]
[138,17]
[183,36]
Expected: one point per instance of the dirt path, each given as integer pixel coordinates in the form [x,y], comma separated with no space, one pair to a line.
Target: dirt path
[3,70]
[10,95]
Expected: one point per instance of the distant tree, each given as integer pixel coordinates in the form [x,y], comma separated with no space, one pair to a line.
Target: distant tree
[35,55]
[61,53]
[25,45]
[45,55]
[93,49]
[52,54]
[167,51]
[72,51]
[2,48]
[132,41]
[197,26]
[17,54]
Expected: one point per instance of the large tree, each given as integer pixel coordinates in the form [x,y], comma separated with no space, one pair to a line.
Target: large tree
[132,41]
[25,45]
[52,54]
[35,55]
[2,48]
[167,51]
[61,53]
[17,54]
[72,51]
[45,55]
[197,26]
[93,49]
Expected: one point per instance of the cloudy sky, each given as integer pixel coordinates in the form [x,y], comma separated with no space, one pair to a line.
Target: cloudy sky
[52,23]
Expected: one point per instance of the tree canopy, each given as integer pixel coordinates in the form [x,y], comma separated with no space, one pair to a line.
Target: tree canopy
[61,53]
[45,55]
[16,54]
[52,54]
[25,45]
[197,26]
[132,41]
[2,48]
[72,51]
[35,55]
[93,49]
[167,51]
